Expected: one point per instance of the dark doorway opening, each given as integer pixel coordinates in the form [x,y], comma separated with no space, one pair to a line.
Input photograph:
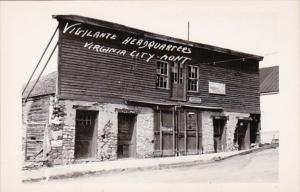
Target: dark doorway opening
[126,135]
[242,135]
[255,129]
[85,134]
[219,135]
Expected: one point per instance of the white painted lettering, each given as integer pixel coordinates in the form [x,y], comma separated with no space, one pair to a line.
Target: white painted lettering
[150,57]
[127,40]
[67,27]
[88,45]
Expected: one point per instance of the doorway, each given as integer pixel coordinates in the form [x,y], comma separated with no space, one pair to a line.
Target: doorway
[177,132]
[177,80]
[242,135]
[126,135]
[85,134]
[219,135]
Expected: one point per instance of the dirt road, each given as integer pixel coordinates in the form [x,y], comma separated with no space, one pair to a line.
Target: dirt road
[254,167]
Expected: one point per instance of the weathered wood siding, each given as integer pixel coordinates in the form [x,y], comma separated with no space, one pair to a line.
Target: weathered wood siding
[35,119]
[85,74]
[242,86]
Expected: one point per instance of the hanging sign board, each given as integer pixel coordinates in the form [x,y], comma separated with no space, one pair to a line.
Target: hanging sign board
[195,100]
[216,88]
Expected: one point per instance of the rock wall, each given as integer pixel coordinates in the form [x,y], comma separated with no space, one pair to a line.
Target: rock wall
[60,118]
[208,131]
[63,121]
[230,127]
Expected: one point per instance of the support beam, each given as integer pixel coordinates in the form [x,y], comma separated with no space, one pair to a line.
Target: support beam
[185,135]
[160,134]
[39,62]
[197,134]
[173,144]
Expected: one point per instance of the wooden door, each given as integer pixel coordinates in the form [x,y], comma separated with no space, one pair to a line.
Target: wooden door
[189,132]
[177,132]
[85,134]
[177,82]
[164,132]
[126,135]
[219,135]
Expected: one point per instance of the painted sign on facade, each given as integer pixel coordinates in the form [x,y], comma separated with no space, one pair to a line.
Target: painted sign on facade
[195,100]
[146,49]
[216,88]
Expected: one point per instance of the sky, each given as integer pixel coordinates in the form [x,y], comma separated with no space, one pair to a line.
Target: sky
[267,28]
[247,27]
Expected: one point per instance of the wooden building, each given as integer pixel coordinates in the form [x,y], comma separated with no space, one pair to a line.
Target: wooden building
[122,92]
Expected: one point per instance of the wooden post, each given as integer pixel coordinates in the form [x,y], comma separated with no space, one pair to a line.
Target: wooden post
[258,134]
[160,133]
[197,134]
[247,136]
[173,113]
[185,135]
[224,135]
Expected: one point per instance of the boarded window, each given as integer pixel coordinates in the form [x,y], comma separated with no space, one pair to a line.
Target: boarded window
[162,72]
[34,141]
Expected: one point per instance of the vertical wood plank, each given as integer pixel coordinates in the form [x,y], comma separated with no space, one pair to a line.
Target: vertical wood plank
[173,114]
[160,133]
[197,134]
[247,136]
[258,133]
[185,135]
[184,76]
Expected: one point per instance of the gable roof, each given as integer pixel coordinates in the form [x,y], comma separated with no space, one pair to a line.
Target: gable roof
[111,25]
[45,86]
[269,79]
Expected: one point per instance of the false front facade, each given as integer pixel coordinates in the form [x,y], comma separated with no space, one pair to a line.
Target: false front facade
[121,92]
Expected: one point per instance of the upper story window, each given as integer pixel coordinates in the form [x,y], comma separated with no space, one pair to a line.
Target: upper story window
[162,72]
[177,73]
[193,78]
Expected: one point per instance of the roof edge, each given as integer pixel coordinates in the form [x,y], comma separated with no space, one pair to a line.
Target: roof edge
[121,27]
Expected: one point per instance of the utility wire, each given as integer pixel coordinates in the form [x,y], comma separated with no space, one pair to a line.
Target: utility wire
[42,71]
[39,61]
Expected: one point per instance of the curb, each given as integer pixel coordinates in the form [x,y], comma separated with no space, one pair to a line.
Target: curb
[76,174]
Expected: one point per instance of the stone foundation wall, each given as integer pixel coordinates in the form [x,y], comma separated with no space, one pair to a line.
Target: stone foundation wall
[230,127]
[59,143]
[145,133]
[63,121]
[208,131]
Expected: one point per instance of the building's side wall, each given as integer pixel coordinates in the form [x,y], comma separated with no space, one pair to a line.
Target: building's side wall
[35,122]
[241,80]
[63,148]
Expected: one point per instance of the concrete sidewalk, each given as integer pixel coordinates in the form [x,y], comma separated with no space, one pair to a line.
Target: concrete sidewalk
[97,168]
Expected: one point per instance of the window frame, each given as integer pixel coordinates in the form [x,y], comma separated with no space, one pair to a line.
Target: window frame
[193,78]
[159,75]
